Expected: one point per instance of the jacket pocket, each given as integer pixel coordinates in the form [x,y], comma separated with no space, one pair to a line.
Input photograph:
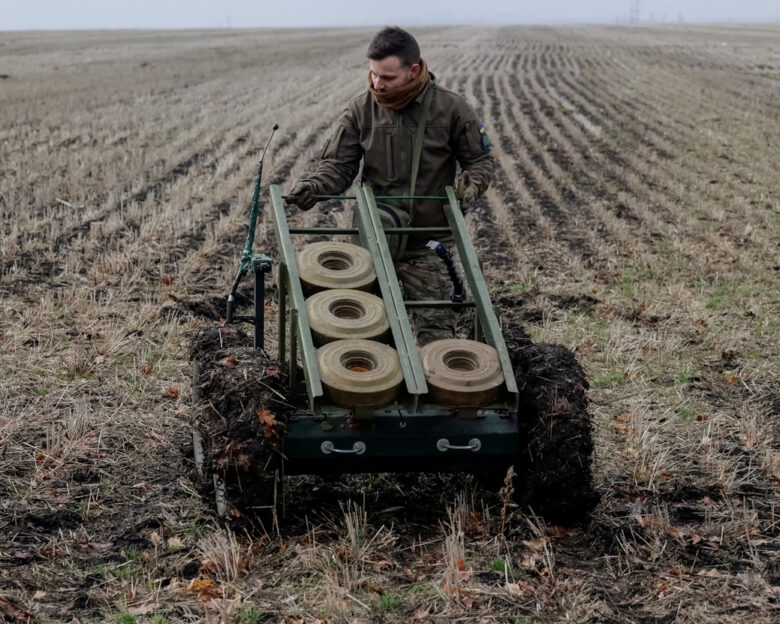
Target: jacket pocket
[332,146]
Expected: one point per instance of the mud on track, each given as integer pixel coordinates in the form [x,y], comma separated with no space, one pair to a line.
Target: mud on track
[633,219]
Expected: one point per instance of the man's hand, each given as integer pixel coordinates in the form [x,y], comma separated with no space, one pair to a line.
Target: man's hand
[466,192]
[302,195]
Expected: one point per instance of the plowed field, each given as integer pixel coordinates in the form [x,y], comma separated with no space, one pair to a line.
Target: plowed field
[635,218]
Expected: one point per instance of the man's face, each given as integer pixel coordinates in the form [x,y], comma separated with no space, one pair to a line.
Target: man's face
[390,72]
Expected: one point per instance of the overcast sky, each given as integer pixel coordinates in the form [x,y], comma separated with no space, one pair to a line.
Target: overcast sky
[70,14]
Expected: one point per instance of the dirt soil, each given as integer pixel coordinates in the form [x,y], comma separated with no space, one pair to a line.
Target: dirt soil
[634,221]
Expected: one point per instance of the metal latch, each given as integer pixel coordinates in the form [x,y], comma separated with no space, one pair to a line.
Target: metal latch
[444,445]
[358,448]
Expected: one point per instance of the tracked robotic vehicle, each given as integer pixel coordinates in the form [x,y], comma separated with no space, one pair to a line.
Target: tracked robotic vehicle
[378,403]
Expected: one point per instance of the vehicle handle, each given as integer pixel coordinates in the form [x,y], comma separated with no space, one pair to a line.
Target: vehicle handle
[444,445]
[358,448]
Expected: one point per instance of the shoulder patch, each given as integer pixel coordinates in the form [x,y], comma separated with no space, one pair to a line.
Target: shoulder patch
[486,145]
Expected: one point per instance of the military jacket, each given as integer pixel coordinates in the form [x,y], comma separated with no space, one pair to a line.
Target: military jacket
[384,140]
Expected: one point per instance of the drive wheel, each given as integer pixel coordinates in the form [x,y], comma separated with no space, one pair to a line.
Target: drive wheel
[554,464]
[358,373]
[342,314]
[334,264]
[462,373]
[237,425]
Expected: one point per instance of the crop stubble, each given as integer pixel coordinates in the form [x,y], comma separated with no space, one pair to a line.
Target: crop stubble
[634,218]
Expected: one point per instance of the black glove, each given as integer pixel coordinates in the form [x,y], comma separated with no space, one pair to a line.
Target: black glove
[302,195]
[466,192]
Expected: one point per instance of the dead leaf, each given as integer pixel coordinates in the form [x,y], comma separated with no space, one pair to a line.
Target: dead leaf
[696,538]
[266,417]
[268,420]
[467,600]
[461,565]
[167,280]
[171,392]
[537,544]
[39,594]
[145,609]
[420,613]
[12,610]
[521,588]
[230,360]
[205,589]
[175,542]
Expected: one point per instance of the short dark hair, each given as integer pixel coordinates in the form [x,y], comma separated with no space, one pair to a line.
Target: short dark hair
[394,41]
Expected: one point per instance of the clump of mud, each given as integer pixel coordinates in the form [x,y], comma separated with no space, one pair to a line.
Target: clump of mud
[555,469]
[240,413]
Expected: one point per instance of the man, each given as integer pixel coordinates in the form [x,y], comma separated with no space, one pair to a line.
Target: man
[380,127]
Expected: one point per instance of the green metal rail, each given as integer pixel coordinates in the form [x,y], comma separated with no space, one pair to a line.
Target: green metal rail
[370,224]
[299,318]
[487,317]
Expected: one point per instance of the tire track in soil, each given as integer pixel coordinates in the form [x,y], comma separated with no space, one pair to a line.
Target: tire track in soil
[490,239]
[597,109]
[234,235]
[658,185]
[530,174]
[570,171]
[560,163]
[514,208]
[667,87]
[591,173]
[27,260]
[584,147]
[218,209]
[729,238]
[30,261]
[234,99]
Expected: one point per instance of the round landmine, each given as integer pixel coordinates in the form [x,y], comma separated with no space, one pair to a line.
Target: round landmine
[359,373]
[342,314]
[334,264]
[462,373]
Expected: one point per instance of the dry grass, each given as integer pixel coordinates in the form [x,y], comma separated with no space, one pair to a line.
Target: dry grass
[634,218]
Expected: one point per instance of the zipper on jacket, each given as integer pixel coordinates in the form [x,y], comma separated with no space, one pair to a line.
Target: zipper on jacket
[389,152]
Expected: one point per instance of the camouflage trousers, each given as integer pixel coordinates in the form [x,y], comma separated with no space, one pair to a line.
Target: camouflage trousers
[423,275]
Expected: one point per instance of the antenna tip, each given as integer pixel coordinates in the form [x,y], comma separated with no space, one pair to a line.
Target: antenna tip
[276,126]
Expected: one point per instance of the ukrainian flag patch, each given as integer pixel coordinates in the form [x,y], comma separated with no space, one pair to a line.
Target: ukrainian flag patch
[484,138]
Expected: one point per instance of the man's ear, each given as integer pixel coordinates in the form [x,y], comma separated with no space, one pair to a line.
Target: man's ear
[415,69]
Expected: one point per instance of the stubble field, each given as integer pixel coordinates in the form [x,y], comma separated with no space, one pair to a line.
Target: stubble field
[635,218]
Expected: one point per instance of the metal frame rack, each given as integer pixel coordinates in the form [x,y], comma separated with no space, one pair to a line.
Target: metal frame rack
[415,433]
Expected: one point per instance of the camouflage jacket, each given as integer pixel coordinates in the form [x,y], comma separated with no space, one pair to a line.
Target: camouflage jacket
[384,140]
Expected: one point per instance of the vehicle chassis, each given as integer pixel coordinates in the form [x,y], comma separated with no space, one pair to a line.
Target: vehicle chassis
[415,433]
